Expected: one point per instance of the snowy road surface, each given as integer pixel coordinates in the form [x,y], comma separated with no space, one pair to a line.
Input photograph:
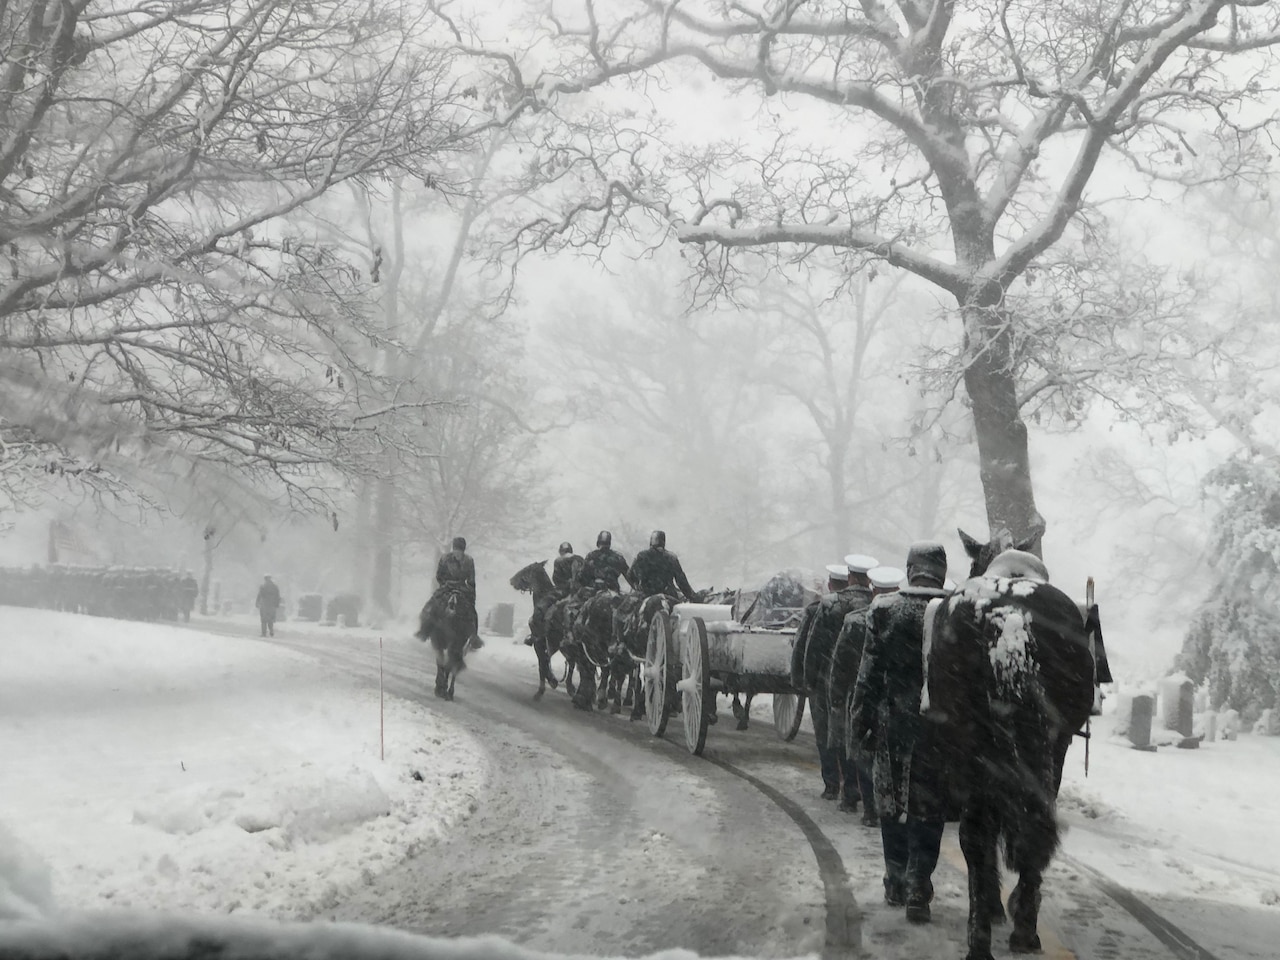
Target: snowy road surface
[564,832]
[595,837]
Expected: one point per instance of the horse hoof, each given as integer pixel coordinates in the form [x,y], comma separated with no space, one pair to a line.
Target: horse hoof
[737,713]
[979,955]
[538,695]
[1023,943]
[742,724]
[553,683]
[712,718]
[615,708]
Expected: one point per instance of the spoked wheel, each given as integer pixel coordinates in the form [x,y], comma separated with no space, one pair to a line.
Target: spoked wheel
[788,711]
[695,685]
[657,704]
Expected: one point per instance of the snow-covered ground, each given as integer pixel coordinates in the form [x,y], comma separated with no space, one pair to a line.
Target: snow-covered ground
[150,767]
[162,768]
[1198,824]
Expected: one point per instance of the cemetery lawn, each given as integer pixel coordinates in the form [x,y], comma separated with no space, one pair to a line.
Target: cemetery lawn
[1199,824]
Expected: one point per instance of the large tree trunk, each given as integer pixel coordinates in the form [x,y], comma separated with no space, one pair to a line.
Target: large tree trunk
[1004,460]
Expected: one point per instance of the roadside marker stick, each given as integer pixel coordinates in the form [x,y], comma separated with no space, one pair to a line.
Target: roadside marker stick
[382,723]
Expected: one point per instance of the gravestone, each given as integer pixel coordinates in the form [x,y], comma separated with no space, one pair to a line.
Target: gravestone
[1208,724]
[1140,717]
[1229,724]
[501,619]
[1268,724]
[1177,696]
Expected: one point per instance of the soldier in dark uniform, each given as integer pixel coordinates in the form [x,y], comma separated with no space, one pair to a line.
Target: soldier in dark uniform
[811,664]
[565,570]
[456,572]
[845,660]
[602,565]
[884,720]
[657,571]
[268,604]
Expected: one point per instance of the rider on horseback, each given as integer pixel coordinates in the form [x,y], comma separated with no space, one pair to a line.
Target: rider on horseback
[604,564]
[455,575]
[566,568]
[656,571]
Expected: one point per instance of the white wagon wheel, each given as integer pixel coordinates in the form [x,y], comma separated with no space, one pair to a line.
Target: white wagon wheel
[695,685]
[788,711]
[657,703]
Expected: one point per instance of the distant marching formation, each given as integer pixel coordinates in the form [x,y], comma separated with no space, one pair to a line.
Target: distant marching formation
[127,593]
[931,702]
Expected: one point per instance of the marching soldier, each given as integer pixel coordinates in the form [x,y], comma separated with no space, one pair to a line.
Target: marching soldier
[885,723]
[811,665]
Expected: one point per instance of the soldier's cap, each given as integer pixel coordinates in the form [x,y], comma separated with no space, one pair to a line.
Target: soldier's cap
[838,572]
[860,562]
[886,578]
[927,557]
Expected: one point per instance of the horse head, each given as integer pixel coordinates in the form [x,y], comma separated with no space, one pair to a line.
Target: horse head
[981,554]
[526,578]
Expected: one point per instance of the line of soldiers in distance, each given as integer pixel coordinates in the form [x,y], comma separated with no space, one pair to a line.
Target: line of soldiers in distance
[126,593]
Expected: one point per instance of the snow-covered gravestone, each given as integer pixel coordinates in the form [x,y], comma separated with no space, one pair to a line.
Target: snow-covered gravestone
[1268,724]
[1229,724]
[1141,714]
[1177,703]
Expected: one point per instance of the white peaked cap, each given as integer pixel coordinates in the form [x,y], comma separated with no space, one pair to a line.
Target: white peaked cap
[860,562]
[837,571]
[885,578]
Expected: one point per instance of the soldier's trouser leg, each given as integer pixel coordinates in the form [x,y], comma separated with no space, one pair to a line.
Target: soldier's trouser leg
[924,840]
[828,757]
[866,786]
[262,618]
[893,838]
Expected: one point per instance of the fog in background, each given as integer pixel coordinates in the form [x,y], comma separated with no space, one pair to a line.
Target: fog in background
[778,411]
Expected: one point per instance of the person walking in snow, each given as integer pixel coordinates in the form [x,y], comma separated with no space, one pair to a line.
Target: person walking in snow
[268,604]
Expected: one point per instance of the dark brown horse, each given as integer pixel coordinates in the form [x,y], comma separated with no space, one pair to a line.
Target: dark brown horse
[534,579]
[1010,672]
[591,636]
[448,628]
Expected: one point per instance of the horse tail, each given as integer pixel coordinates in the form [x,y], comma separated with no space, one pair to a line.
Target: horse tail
[1029,820]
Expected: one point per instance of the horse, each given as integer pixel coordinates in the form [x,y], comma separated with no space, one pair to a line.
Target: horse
[535,580]
[448,627]
[631,621]
[1010,674]
[591,635]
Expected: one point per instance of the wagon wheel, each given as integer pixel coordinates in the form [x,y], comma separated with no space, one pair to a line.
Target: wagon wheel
[657,674]
[695,685]
[788,711]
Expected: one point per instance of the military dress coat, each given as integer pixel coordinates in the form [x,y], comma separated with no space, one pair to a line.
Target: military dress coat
[909,756]
[602,563]
[846,657]
[657,571]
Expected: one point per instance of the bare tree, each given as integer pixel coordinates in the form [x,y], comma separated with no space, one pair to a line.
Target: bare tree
[954,140]
[162,298]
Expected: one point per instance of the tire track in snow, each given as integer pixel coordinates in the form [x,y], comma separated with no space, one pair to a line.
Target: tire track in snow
[843,935]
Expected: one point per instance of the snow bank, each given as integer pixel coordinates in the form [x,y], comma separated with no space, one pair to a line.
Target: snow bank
[156,767]
[167,938]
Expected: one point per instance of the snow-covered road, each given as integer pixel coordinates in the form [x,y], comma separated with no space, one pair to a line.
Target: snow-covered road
[563,832]
[595,837]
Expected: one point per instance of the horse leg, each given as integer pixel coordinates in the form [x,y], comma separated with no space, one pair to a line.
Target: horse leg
[570,664]
[584,698]
[736,707]
[617,680]
[1033,840]
[637,689]
[442,680]
[744,718]
[544,666]
[978,842]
